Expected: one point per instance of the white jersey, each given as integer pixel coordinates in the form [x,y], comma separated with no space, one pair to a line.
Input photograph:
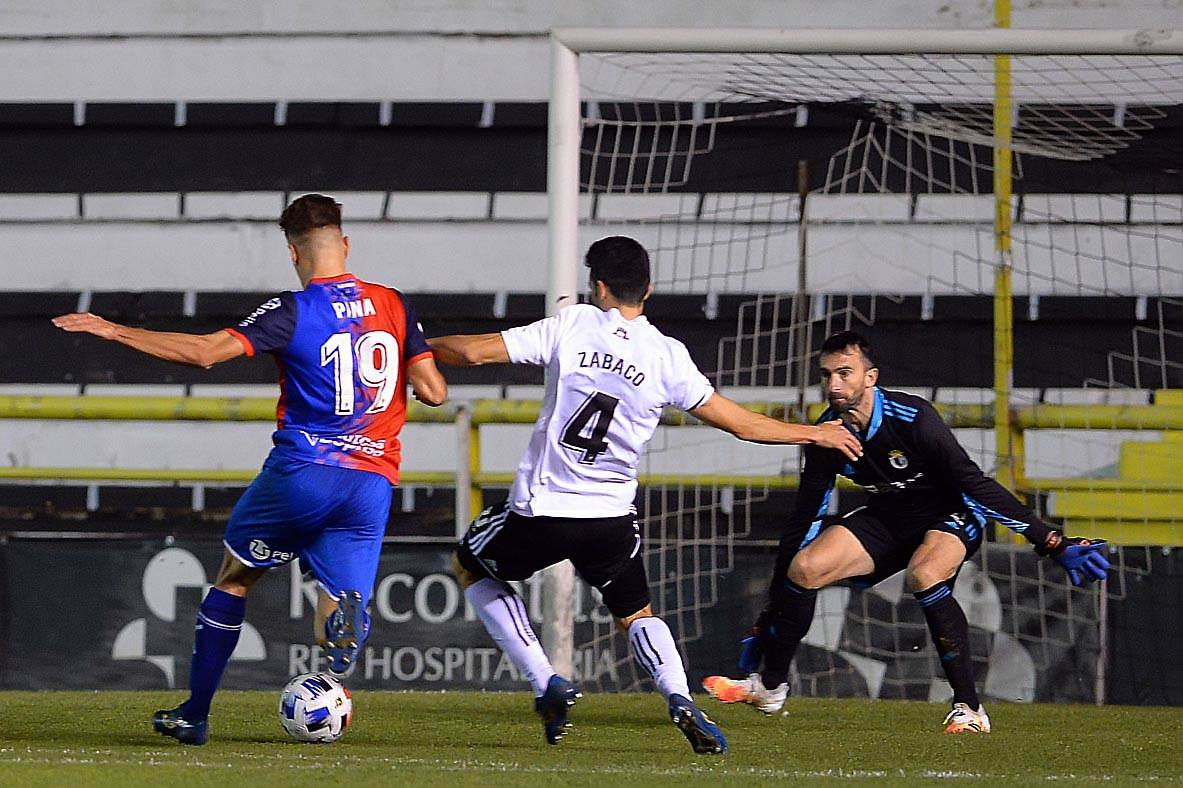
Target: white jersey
[607,381]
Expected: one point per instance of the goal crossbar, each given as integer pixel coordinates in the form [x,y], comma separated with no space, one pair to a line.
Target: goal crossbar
[994,41]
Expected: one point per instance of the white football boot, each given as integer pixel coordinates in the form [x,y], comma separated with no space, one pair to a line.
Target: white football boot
[963,719]
[750,690]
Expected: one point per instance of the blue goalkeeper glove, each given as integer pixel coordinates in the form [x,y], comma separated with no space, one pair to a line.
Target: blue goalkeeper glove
[751,652]
[1083,559]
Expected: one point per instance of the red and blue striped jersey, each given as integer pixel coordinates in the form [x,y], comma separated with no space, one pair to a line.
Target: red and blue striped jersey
[342,347]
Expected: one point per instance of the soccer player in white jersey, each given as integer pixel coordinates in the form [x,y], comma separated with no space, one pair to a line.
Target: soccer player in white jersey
[609,375]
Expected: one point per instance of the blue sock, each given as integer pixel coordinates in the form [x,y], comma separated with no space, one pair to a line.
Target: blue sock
[218,626]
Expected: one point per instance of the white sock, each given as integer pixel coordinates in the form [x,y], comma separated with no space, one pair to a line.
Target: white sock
[506,620]
[654,649]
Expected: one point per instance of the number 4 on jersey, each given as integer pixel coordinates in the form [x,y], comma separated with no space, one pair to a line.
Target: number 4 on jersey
[599,407]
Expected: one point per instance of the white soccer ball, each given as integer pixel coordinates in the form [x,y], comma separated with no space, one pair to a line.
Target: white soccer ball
[315,707]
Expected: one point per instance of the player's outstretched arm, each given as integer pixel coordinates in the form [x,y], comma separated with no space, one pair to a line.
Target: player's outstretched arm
[199,350]
[729,416]
[1083,559]
[427,383]
[469,350]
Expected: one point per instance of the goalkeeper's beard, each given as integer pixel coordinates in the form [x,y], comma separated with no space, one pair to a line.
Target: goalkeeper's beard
[846,407]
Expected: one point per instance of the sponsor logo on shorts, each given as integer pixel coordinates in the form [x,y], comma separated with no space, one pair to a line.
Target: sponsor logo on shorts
[260,551]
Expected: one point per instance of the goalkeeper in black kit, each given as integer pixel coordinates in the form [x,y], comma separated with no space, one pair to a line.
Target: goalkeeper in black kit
[927,511]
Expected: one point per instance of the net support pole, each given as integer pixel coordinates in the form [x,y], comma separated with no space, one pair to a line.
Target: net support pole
[1005,447]
[464,470]
[800,303]
[564,132]
[1102,682]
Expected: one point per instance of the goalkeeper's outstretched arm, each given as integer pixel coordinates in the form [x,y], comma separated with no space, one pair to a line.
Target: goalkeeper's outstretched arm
[1083,559]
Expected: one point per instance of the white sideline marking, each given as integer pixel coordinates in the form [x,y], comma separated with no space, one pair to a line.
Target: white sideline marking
[290,757]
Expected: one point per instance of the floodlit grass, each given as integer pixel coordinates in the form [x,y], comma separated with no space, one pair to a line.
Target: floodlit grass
[452,739]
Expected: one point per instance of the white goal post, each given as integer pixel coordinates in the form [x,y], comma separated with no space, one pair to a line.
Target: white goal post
[566,128]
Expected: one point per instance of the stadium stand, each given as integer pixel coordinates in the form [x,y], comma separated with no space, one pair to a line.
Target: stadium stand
[231,166]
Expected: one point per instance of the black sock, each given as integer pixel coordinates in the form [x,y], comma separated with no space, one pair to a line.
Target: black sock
[950,634]
[794,613]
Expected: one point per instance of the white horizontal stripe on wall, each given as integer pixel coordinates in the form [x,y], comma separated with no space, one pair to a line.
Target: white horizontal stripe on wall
[234,205]
[155,205]
[399,68]
[438,205]
[129,250]
[38,207]
[431,447]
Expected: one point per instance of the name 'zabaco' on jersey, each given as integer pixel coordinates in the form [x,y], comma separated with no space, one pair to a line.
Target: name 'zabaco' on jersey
[342,347]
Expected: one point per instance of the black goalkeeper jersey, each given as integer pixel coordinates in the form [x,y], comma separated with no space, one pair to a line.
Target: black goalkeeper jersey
[914,472]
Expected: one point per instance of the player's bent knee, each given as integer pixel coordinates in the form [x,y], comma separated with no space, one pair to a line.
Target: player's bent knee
[808,571]
[235,589]
[926,575]
[626,621]
[238,583]
[464,577]
[235,577]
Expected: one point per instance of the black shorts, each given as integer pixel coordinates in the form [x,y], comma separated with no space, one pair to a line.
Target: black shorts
[891,545]
[606,552]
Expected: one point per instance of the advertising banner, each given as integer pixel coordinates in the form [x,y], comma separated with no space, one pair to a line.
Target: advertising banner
[120,615]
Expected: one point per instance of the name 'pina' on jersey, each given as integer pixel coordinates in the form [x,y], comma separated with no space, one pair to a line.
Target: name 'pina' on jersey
[607,381]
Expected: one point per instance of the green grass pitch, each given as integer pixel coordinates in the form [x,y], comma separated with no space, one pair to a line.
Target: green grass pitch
[452,739]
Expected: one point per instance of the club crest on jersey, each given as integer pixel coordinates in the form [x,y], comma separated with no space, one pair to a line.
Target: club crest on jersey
[897,459]
[620,332]
[361,308]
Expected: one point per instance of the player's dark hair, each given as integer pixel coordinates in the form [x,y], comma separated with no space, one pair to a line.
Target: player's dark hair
[308,213]
[836,343]
[622,264]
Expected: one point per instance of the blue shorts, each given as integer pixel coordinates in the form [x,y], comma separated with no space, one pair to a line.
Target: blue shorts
[332,519]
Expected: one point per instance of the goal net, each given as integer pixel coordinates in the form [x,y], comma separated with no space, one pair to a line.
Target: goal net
[897,224]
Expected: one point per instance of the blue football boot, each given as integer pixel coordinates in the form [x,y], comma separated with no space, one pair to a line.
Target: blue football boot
[552,706]
[346,631]
[171,722]
[700,730]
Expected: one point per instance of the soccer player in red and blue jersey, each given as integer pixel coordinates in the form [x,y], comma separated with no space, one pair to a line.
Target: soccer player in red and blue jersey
[346,350]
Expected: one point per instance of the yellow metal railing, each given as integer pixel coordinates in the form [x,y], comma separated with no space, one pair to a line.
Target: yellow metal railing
[496,411]
[468,419]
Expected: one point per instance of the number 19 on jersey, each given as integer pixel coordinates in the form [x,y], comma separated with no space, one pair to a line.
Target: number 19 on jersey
[377,367]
